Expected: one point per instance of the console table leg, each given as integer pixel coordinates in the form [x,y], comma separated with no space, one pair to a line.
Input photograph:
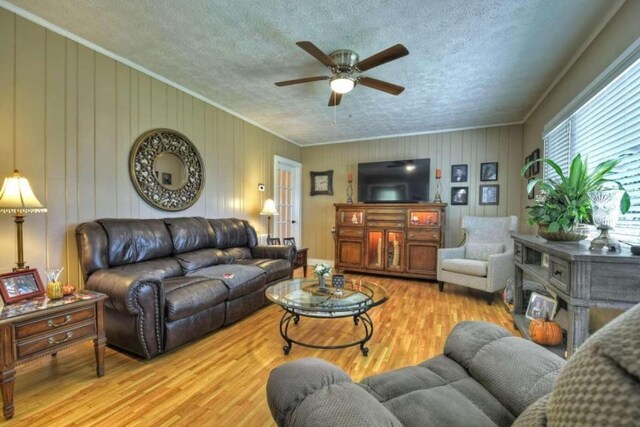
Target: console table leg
[7,379]
[518,306]
[98,345]
[578,327]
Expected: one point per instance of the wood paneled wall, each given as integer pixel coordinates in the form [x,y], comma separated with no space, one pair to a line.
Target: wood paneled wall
[472,147]
[68,118]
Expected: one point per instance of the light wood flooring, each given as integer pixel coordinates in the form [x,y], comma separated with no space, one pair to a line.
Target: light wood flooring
[220,379]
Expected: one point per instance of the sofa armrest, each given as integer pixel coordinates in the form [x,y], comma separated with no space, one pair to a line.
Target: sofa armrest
[287,252]
[313,392]
[516,371]
[121,287]
[500,269]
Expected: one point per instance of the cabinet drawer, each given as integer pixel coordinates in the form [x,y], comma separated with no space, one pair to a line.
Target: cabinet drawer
[350,232]
[424,235]
[385,224]
[53,323]
[62,337]
[560,274]
[386,211]
[517,252]
[385,217]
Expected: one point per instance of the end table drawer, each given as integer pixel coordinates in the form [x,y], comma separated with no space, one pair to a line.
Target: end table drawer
[62,337]
[53,323]
[517,252]
[559,274]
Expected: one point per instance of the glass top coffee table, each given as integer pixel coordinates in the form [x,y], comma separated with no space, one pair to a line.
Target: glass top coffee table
[303,297]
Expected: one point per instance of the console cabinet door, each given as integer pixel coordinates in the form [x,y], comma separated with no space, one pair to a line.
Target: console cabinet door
[422,258]
[419,218]
[395,247]
[375,250]
[350,253]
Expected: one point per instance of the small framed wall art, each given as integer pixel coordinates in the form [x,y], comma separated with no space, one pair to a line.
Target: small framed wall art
[459,196]
[20,285]
[489,194]
[459,173]
[532,193]
[322,183]
[535,168]
[489,171]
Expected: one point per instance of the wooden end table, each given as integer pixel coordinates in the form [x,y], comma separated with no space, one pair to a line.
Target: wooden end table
[301,260]
[40,326]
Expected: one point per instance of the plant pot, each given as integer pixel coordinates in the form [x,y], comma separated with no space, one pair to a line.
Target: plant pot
[577,233]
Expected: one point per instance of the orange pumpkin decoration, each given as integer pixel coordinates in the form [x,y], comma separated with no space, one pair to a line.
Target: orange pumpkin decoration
[545,332]
[68,289]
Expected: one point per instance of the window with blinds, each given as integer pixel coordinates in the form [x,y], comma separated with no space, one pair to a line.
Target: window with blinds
[606,127]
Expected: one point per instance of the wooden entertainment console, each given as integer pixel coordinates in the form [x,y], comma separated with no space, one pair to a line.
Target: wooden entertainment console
[387,238]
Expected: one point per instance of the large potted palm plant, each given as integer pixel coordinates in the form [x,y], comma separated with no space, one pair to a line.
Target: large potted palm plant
[563,208]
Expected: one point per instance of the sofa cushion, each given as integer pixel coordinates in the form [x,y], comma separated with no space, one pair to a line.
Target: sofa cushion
[159,269]
[190,234]
[481,251]
[241,279]
[229,232]
[191,261]
[454,397]
[238,254]
[469,267]
[275,268]
[135,240]
[187,295]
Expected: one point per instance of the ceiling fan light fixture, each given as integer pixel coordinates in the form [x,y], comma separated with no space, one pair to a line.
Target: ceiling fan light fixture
[341,84]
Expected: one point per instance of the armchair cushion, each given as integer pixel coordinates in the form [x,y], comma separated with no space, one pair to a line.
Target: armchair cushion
[469,267]
[481,251]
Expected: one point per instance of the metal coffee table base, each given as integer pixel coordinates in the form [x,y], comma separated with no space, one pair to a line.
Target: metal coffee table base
[289,315]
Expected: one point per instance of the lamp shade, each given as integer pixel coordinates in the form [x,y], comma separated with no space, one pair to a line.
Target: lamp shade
[17,196]
[269,208]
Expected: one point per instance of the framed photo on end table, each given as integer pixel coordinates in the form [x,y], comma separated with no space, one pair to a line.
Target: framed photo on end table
[19,285]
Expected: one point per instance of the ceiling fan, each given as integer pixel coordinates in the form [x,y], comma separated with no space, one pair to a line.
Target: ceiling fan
[345,67]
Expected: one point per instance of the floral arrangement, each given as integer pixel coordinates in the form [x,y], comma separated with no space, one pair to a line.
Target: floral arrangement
[322,270]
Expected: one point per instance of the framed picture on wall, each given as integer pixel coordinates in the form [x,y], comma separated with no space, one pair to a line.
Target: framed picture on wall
[532,193]
[535,168]
[527,173]
[489,194]
[489,171]
[322,183]
[459,173]
[459,195]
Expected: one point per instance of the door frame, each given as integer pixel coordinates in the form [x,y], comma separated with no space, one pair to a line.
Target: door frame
[297,191]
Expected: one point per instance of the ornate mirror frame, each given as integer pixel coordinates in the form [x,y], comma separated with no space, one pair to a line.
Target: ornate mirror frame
[146,149]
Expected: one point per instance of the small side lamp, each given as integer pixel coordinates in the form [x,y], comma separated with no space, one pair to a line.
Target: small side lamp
[17,198]
[269,209]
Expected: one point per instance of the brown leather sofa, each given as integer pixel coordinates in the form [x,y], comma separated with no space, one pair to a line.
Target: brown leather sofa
[172,280]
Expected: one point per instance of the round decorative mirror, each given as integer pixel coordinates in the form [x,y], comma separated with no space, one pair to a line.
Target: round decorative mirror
[166,169]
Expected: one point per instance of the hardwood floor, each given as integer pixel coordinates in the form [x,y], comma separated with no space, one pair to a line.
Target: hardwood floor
[220,379]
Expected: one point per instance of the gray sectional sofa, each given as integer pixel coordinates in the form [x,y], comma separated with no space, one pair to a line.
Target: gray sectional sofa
[486,377]
[172,280]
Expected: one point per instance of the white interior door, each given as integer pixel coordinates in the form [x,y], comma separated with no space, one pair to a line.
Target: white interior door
[287,195]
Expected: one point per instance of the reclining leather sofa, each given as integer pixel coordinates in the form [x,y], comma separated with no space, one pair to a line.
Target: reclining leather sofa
[486,377]
[172,280]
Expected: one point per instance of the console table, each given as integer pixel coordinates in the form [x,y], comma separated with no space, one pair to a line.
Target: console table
[580,277]
[40,326]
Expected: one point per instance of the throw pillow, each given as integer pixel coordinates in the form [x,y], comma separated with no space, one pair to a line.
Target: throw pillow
[481,251]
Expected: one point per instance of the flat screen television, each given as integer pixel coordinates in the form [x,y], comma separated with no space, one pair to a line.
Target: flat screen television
[398,181]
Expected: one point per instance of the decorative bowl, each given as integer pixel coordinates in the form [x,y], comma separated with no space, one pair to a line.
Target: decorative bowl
[577,233]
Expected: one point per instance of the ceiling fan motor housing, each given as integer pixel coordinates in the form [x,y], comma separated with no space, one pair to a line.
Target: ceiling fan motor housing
[345,59]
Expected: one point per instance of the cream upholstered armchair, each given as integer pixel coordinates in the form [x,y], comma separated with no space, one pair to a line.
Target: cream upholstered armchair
[485,261]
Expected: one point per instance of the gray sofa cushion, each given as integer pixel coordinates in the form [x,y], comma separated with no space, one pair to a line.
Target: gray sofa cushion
[470,267]
[494,358]
[246,278]
[454,397]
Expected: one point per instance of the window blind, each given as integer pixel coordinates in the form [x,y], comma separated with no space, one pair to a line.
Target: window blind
[606,127]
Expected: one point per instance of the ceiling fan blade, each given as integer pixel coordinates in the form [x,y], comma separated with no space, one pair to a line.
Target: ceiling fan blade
[303,80]
[314,51]
[334,99]
[381,85]
[387,55]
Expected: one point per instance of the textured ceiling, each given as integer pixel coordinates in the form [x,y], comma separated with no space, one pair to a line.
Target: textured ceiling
[471,62]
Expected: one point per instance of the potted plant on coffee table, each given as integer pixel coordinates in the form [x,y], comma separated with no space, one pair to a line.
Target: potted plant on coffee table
[562,209]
